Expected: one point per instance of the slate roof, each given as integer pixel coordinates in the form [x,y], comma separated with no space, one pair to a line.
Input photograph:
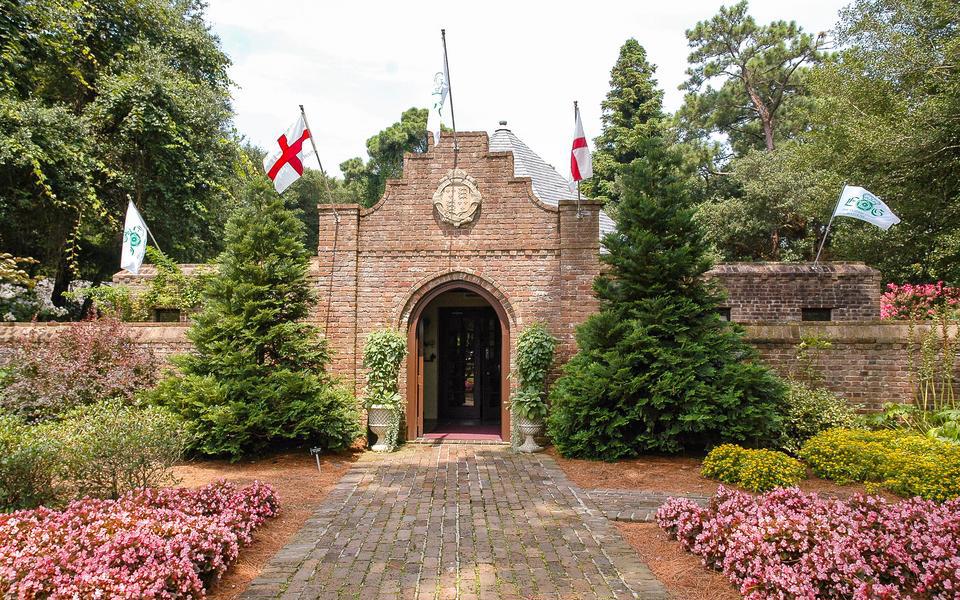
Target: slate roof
[548,185]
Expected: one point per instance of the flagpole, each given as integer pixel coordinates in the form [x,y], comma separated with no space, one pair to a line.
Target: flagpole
[453,116]
[326,183]
[829,223]
[336,226]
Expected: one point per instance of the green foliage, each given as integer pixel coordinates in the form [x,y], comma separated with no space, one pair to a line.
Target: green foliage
[168,288]
[881,113]
[257,377]
[942,425]
[535,350]
[385,149]
[105,101]
[762,68]
[28,461]
[810,411]
[383,354]
[109,448]
[754,470]
[632,112]
[657,368]
[903,463]
[809,359]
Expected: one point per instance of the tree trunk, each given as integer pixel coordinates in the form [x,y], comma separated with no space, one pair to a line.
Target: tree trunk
[61,283]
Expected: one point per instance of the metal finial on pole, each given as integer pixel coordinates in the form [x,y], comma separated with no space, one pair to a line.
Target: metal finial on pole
[453,116]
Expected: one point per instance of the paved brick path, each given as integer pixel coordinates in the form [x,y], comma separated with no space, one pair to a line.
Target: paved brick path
[634,506]
[463,522]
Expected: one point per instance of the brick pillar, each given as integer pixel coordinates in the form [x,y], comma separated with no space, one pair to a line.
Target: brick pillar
[337,258]
[579,265]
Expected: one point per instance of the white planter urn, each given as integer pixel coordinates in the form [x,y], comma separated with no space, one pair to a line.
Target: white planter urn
[378,420]
[529,428]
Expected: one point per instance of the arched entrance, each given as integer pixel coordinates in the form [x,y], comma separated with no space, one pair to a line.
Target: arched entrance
[458,362]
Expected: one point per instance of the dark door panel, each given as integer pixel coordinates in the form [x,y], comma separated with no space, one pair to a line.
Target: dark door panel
[468,365]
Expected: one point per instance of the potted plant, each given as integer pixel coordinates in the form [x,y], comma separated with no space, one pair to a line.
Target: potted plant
[383,353]
[535,350]
[530,411]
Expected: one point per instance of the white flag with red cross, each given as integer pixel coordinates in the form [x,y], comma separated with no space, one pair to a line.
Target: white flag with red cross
[284,164]
[581,165]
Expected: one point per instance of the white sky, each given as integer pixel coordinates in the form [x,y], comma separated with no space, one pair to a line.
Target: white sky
[357,65]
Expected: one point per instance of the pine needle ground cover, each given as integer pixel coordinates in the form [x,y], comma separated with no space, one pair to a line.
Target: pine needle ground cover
[790,544]
[149,544]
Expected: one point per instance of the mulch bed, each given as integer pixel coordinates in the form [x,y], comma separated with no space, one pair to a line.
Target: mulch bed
[301,488]
[674,474]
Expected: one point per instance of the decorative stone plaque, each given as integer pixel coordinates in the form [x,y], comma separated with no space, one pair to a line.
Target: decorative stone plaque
[457,198]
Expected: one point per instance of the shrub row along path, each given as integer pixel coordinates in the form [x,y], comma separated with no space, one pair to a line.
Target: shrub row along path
[457,521]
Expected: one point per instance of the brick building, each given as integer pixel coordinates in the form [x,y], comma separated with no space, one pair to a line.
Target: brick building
[462,260]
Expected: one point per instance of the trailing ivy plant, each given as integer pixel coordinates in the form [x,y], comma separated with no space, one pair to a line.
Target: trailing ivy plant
[382,356]
[535,351]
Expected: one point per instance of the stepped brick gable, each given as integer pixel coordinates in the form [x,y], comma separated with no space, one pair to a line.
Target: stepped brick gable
[537,259]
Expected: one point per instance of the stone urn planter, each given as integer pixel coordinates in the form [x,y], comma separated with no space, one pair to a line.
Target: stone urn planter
[378,420]
[529,428]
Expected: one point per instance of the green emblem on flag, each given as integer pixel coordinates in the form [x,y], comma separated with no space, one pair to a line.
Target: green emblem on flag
[133,237]
[867,203]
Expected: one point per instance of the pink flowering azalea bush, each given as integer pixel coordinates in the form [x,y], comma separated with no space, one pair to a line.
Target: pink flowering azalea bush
[792,545]
[921,301]
[148,544]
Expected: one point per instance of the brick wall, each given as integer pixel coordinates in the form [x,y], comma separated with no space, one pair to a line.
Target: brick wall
[780,291]
[867,363]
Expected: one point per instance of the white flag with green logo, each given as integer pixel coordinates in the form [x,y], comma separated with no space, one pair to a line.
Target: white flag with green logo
[858,203]
[134,240]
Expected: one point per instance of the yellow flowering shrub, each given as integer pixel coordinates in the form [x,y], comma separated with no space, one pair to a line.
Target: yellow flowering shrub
[908,464]
[755,470]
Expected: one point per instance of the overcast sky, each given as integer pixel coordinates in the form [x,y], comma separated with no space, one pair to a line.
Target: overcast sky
[356,66]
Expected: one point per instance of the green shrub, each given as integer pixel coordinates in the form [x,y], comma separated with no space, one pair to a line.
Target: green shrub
[383,354]
[257,378]
[903,463]
[657,369]
[536,347]
[809,411]
[754,470]
[109,448]
[28,461]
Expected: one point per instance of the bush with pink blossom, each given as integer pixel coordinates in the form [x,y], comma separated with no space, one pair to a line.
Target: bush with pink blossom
[148,544]
[792,545]
[917,301]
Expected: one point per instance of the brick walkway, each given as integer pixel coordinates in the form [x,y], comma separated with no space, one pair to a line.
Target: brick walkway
[462,522]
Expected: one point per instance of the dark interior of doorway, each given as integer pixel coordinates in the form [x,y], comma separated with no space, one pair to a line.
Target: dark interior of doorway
[468,375]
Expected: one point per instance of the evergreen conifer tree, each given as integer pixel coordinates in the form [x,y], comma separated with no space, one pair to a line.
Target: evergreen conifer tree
[657,368]
[632,112]
[257,378]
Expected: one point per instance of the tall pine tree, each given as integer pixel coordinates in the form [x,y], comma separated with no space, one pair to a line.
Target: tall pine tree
[257,378]
[632,113]
[658,369]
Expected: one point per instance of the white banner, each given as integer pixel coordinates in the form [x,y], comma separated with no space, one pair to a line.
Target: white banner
[134,240]
[859,203]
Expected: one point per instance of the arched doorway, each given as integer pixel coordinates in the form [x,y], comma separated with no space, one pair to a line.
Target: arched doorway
[458,362]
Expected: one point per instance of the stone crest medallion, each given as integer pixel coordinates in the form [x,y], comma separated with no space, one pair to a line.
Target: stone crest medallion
[457,199]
